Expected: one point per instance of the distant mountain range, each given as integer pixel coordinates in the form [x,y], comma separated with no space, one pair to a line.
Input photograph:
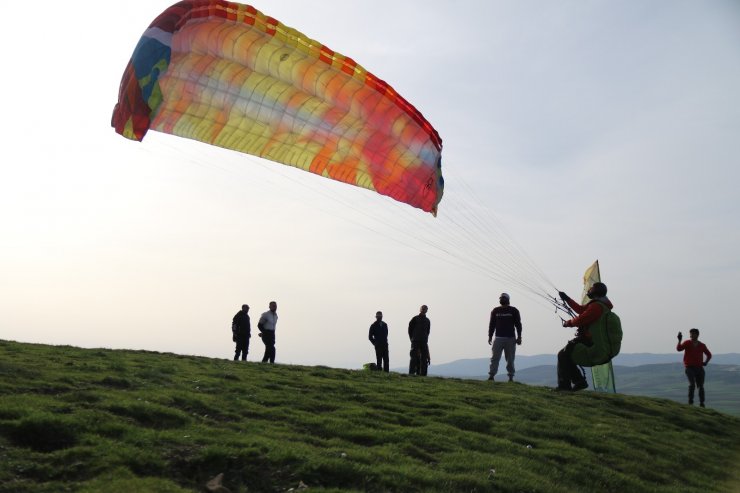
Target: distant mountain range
[652,375]
[478,368]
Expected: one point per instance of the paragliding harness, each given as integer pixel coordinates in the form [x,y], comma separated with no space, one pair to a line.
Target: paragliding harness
[606,340]
[613,333]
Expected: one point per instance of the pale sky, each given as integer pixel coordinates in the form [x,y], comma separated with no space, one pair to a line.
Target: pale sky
[587,129]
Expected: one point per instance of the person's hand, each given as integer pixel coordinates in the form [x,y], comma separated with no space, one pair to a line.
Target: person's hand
[489,341]
[680,336]
[705,363]
[563,296]
[519,341]
[566,323]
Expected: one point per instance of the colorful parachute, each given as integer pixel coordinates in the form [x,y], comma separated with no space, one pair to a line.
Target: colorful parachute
[225,74]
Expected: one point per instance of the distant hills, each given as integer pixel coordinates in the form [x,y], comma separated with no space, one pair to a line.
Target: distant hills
[478,367]
[647,374]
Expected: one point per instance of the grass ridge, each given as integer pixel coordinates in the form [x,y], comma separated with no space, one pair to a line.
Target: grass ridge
[100,420]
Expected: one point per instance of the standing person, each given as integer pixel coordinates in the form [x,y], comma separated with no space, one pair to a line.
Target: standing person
[267,325]
[505,319]
[589,315]
[693,359]
[242,331]
[379,338]
[419,327]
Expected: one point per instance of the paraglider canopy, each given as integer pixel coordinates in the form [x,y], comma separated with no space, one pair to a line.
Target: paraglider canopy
[225,74]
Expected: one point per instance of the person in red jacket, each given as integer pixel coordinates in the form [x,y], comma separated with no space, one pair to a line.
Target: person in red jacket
[588,314]
[693,359]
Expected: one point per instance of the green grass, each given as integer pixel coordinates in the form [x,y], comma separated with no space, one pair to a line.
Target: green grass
[113,421]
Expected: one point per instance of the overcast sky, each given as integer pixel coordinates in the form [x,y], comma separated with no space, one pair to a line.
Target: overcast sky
[586,129]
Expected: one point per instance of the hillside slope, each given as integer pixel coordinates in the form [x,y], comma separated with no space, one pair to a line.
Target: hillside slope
[104,421]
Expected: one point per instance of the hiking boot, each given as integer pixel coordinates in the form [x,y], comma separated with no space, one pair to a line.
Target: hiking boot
[490,377]
[701,404]
[511,378]
[580,385]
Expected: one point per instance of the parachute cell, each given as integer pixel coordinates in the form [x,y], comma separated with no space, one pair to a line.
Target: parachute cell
[225,74]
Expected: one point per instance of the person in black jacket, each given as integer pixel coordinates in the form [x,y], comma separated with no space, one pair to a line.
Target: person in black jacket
[241,331]
[379,337]
[505,319]
[419,335]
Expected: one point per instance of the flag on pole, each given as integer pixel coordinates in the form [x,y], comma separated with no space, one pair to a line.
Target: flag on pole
[602,376]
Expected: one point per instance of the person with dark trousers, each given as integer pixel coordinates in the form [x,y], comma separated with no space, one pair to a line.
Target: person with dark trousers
[505,320]
[588,314]
[266,326]
[241,332]
[694,363]
[419,328]
[379,338]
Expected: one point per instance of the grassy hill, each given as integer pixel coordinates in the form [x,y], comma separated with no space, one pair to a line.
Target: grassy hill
[121,421]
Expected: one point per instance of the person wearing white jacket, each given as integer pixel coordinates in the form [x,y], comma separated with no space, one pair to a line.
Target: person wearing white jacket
[266,326]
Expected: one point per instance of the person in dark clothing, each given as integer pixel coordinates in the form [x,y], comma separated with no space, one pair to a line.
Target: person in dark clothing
[241,331]
[419,327]
[588,315]
[505,319]
[379,338]
[693,360]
